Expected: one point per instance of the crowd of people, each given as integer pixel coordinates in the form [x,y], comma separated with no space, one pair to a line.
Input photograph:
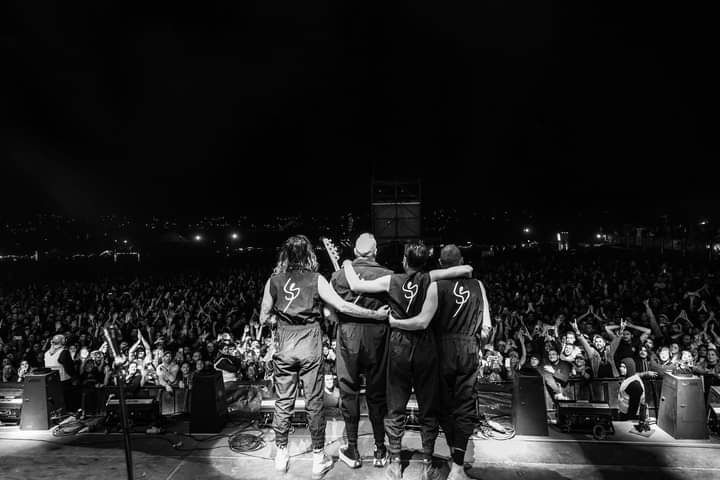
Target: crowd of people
[572,318]
[167,328]
[659,314]
[567,317]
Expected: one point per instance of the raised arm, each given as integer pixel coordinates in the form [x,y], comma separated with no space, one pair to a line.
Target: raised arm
[586,345]
[357,285]
[330,296]
[610,329]
[653,321]
[421,320]
[644,331]
[523,356]
[451,272]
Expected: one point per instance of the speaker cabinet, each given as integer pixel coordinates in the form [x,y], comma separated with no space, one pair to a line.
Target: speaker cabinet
[682,407]
[528,408]
[396,220]
[208,411]
[43,398]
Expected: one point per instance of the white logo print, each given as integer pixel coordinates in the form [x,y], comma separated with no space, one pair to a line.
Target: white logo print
[292,293]
[410,292]
[462,297]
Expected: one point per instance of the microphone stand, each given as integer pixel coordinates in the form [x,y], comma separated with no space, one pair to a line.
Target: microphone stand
[117,373]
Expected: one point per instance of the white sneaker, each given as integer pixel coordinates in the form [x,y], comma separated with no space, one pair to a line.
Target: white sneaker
[321,464]
[282,459]
[457,472]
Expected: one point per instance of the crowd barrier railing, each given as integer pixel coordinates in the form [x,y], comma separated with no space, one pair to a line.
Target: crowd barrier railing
[492,397]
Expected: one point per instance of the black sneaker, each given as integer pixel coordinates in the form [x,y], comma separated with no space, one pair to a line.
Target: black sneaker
[350,456]
[381,456]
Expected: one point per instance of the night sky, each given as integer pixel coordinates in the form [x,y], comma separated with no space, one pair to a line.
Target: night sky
[235,107]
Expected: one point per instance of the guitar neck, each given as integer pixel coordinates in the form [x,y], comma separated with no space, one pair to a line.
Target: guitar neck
[332,253]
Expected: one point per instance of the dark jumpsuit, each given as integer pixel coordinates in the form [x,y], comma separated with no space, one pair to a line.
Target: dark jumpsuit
[456,323]
[362,348]
[298,308]
[412,363]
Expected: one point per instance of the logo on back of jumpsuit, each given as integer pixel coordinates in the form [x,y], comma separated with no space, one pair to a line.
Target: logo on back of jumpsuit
[462,297]
[292,293]
[410,292]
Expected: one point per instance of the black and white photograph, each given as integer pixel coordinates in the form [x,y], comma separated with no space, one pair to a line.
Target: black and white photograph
[347,241]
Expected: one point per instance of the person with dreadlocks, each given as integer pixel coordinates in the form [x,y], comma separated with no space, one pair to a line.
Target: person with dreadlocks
[294,297]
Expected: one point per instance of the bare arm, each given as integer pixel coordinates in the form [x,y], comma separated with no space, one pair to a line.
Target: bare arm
[610,329]
[588,349]
[523,356]
[653,321]
[644,331]
[357,285]
[451,272]
[330,296]
[421,320]
[266,305]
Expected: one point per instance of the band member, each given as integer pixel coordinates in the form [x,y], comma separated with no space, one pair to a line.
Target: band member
[412,355]
[361,347]
[294,297]
[457,311]
[57,357]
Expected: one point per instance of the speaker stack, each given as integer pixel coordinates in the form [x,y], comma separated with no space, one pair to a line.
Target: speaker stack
[43,399]
[682,407]
[208,411]
[529,413]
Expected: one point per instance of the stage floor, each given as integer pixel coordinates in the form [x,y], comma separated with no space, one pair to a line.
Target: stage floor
[90,456]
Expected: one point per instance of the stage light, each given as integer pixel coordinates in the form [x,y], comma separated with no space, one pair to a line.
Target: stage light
[234,236]
[198,238]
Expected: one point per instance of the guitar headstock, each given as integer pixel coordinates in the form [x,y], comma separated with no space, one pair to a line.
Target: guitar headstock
[332,252]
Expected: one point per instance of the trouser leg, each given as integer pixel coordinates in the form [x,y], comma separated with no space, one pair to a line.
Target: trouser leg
[446,356]
[309,349]
[285,379]
[464,412]
[348,351]
[399,374]
[426,380]
[376,353]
